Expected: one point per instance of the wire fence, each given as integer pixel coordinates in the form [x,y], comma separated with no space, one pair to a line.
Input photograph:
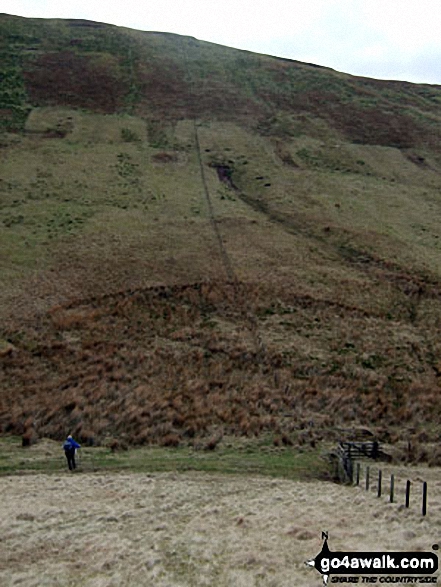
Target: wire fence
[381,479]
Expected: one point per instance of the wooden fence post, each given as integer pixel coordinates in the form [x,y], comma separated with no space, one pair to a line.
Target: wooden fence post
[407,493]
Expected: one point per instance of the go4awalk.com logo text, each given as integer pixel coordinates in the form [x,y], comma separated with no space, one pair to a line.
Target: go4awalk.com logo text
[400,567]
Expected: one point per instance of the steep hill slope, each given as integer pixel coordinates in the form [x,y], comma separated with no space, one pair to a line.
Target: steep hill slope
[198,240]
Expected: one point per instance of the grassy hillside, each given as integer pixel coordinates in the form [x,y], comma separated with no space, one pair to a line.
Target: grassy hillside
[199,241]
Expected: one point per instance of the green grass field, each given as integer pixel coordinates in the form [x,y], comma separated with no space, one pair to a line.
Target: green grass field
[232,456]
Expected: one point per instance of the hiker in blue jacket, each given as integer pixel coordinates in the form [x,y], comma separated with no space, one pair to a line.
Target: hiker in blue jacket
[70,447]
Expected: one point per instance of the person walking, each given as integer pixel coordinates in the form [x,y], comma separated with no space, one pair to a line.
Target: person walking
[70,447]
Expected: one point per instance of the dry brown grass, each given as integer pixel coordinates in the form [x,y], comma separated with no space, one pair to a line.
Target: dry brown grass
[172,365]
[164,529]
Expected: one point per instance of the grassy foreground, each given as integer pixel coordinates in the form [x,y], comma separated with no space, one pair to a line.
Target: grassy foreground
[236,456]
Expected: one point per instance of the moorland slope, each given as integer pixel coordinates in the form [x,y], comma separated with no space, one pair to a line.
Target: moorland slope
[200,241]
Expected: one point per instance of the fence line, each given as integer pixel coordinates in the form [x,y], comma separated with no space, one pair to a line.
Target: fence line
[392,486]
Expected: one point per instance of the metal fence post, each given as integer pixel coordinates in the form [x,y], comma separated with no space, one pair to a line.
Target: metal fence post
[380,475]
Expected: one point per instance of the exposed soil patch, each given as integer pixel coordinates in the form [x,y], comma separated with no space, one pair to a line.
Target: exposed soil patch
[225,175]
[418,160]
